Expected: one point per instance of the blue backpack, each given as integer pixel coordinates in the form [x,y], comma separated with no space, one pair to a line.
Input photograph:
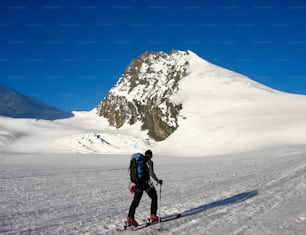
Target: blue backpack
[139,171]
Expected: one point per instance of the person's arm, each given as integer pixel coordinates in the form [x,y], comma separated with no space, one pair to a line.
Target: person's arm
[152,173]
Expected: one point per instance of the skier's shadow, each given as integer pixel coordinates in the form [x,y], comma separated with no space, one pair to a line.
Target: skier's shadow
[223,202]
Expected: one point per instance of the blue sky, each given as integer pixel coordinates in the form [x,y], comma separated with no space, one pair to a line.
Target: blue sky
[70,53]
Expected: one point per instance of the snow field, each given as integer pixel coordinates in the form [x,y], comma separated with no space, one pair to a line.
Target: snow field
[260,192]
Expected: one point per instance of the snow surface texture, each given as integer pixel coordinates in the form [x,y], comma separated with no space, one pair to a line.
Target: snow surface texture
[223,112]
[261,192]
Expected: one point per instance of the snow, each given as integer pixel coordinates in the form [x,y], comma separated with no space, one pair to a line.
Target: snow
[259,192]
[83,133]
[225,112]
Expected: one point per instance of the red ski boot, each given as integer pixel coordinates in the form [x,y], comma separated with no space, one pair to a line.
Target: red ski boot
[154,219]
[131,222]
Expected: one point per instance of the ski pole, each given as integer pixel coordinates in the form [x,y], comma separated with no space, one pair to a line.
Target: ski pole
[160,191]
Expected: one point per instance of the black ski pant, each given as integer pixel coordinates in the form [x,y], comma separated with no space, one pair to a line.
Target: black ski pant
[150,190]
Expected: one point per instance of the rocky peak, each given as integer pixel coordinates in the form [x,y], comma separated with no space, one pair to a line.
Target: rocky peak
[143,93]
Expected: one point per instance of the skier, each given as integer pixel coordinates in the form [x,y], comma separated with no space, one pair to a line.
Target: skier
[144,184]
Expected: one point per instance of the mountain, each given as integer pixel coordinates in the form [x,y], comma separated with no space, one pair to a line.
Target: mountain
[195,108]
[13,104]
[188,105]
[143,93]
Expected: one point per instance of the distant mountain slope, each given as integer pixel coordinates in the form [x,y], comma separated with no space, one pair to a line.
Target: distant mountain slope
[13,104]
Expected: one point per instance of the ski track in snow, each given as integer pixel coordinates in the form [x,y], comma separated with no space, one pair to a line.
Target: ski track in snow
[261,192]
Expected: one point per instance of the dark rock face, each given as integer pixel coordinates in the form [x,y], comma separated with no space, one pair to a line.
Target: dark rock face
[143,93]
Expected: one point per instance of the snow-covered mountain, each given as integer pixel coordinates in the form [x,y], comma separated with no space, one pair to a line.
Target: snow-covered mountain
[16,105]
[196,107]
[143,93]
[176,104]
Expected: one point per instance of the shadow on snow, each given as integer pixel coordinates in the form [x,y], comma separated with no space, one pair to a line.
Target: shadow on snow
[223,202]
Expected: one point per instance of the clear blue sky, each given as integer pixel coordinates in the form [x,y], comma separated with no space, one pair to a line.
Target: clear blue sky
[70,53]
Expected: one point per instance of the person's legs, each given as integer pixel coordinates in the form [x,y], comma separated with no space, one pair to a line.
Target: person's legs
[153,195]
[135,203]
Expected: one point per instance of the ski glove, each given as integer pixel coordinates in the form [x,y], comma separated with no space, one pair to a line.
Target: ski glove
[160,182]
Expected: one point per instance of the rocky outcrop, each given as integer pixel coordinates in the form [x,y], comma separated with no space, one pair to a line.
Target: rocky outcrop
[143,93]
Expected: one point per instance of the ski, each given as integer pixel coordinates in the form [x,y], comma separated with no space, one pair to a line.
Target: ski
[170,217]
[148,223]
[140,226]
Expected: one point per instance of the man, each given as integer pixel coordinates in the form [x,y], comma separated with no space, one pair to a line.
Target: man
[144,184]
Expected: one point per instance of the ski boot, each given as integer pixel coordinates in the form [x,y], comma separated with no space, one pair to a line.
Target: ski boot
[131,222]
[154,218]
